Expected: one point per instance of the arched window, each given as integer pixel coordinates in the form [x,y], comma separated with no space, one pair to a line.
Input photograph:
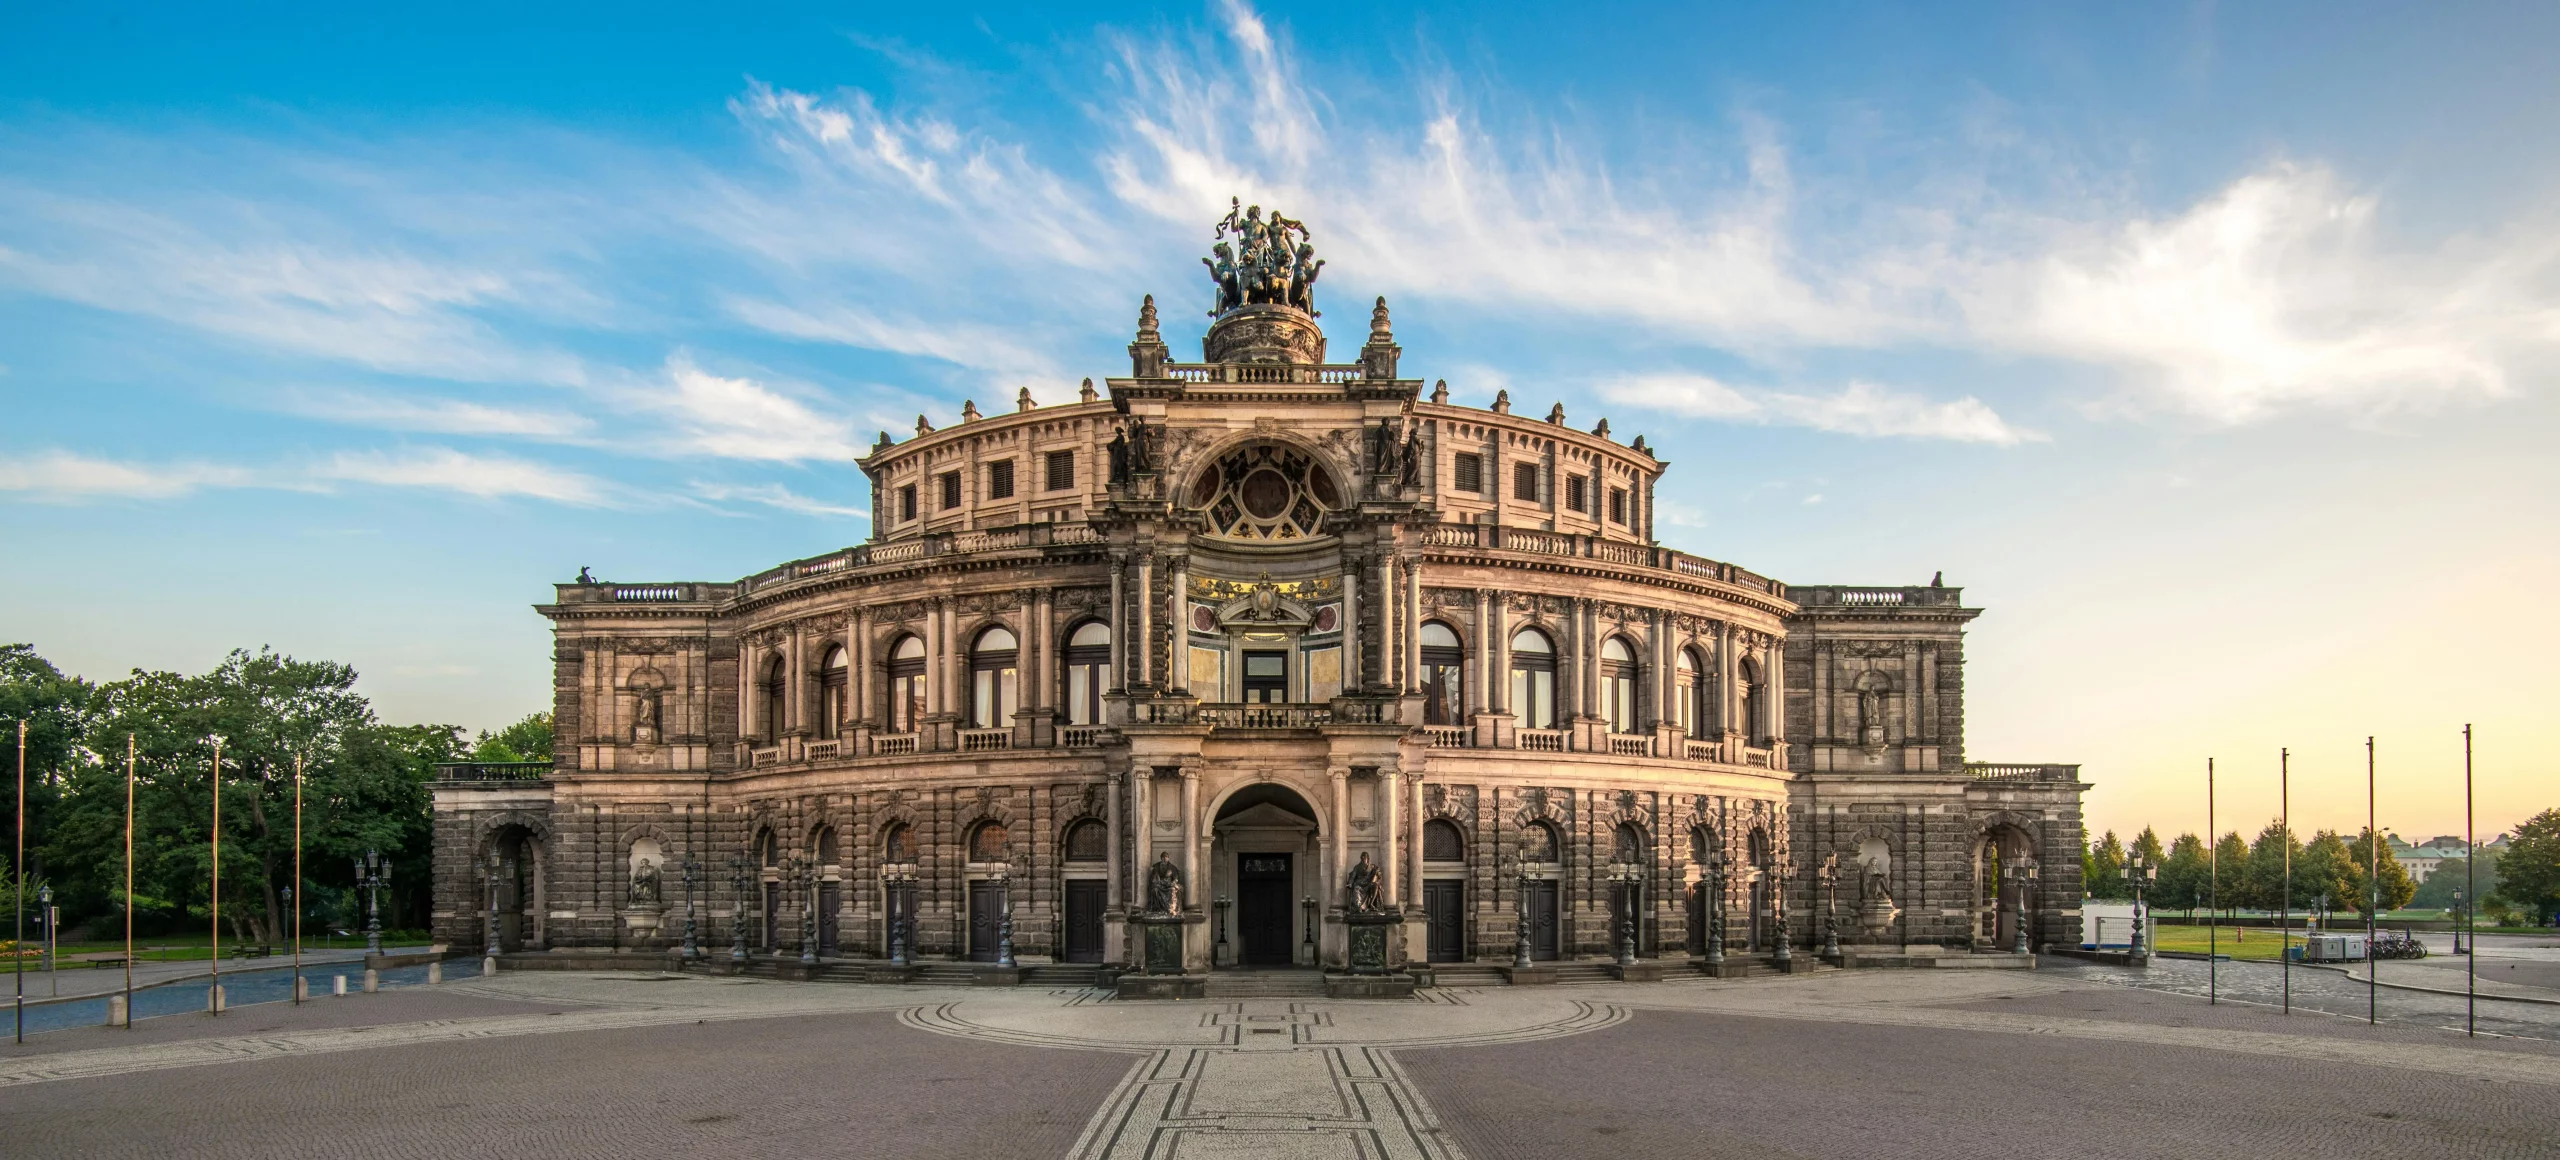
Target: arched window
[1444,687]
[1629,848]
[1533,679]
[1689,693]
[994,680]
[1618,685]
[1088,672]
[906,685]
[1441,842]
[1087,842]
[1702,845]
[825,845]
[777,679]
[1755,707]
[1538,843]
[897,847]
[768,851]
[987,842]
[834,678]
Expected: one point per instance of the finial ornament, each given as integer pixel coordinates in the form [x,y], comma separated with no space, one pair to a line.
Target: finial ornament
[1555,415]
[1272,262]
[968,410]
[1502,402]
[1602,430]
[1440,391]
[1380,329]
[1086,393]
[1639,446]
[1022,402]
[1147,320]
[923,427]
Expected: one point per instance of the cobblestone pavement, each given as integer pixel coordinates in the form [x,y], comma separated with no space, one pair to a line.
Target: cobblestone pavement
[1889,1063]
[2336,993]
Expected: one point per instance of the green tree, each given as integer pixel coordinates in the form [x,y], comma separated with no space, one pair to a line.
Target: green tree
[56,711]
[2099,867]
[2326,877]
[2229,888]
[2529,870]
[2265,883]
[2183,875]
[526,740]
[2448,879]
[2395,887]
[2147,844]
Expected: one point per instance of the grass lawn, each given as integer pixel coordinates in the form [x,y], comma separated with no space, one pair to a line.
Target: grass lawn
[2239,943]
[196,948]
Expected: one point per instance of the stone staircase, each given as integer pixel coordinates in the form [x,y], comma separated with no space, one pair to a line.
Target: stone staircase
[946,974]
[1466,975]
[1583,974]
[1265,985]
[1055,975]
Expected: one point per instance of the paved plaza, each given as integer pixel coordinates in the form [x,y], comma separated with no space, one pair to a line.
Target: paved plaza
[1886,1064]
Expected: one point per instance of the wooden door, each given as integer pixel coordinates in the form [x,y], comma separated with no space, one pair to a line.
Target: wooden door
[1543,943]
[1086,898]
[830,900]
[772,915]
[986,914]
[1444,912]
[1263,909]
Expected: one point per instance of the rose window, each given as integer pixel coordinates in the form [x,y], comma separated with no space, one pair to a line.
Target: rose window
[1265,493]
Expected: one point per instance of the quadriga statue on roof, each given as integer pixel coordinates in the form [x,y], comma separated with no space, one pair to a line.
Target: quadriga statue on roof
[1273,261]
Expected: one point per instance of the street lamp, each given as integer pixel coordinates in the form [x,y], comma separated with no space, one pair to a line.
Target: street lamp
[2138,872]
[494,863]
[2461,919]
[373,871]
[1785,870]
[898,880]
[1004,917]
[2024,875]
[1520,953]
[692,870]
[807,869]
[1831,906]
[44,910]
[741,872]
[1310,906]
[1715,906]
[1624,876]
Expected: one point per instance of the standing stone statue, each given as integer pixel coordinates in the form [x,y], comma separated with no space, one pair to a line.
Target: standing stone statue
[1362,883]
[1119,449]
[644,718]
[1164,886]
[1874,882]
[644,884]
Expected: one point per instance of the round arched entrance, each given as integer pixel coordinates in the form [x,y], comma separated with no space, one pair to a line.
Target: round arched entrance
[1264,869]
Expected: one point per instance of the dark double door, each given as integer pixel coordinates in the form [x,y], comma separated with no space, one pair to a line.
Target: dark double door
[830,900]
[1086,898]
[1542,921]
[1263,909]
[986,920]
[1444,913]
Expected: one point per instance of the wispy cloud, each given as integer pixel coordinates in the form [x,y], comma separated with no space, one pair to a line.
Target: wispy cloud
[484,476]
[64,476]
[775,495]
[441,416]
[996,350]
[1862,409]
[741,418]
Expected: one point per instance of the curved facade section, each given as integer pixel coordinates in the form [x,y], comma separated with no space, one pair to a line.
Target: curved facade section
[1302,637]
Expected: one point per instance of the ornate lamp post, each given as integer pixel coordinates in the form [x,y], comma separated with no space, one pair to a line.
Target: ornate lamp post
[2461,919]
[898,880]
[1004,917]
[807,883]
[1831,906]
[741,871]
[1309,904]
[1624,877]
[493,862]
[1786,955]
[1520,953]
[2024,875]
[1715,906]
[2138,872]
[692,870]
[373,871]
[44,911]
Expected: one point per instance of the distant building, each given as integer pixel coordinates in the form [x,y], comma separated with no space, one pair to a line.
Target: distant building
[2422,860]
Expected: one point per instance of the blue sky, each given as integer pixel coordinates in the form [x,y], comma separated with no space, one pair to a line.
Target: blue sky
[2210,348]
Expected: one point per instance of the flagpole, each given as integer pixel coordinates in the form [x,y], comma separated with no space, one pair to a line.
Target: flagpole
[128,881]
[2284,822]
[213,998]
[2470,899]
[297,880]
[18,942]
[2213,895]
[2372,893]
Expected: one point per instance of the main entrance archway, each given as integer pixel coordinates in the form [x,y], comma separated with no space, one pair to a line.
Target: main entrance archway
[1264,865]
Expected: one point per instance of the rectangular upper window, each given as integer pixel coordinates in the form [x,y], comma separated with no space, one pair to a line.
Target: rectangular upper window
[950,490]
[1470,472]
[1524,482]
[1062,470]
[1617,505]
[907,502]
[1000,479]
[1577,493]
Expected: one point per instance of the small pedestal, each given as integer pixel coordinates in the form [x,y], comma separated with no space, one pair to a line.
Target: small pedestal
[1529,975]
[1639,971]
[1876,918]
[1366,934]
[1160,975]
[643,922]
[1733,967]
[996,977]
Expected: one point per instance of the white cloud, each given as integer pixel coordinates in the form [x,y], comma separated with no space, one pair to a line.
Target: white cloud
[741,418]
[443,416]
[1862,409]
[66,476]
[485,476]
[777,496]
[993,349]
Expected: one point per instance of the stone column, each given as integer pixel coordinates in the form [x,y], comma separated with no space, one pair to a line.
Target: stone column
[1113,785]
[1476,701]
[1413,625]
[1142,801]
[1413,852]
[1191,837]
[1177,628]
[1350,624]
[1387,622]
[1728,674]
[1777,701]
[1389,791]
[1026,666]
[1146,620]
[1341,837]
[1119,633]
[858,655]
[932,660]
[795,681]
[1498,654]
[1574,694]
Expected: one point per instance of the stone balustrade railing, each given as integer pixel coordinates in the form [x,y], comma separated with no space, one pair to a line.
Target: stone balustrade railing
[492,771]
[1998,771]
[1912,596]
[1499,538]
[1326,374]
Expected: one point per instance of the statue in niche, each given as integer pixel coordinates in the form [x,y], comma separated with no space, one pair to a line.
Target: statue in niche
[1871,715]
[644,884]
[1362,884]
[645,729]
[1142,449]
[1164,886]
[1873,875]
[1119,451]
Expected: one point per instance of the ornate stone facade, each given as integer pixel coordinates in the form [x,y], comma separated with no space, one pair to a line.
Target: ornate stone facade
[1259,617]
